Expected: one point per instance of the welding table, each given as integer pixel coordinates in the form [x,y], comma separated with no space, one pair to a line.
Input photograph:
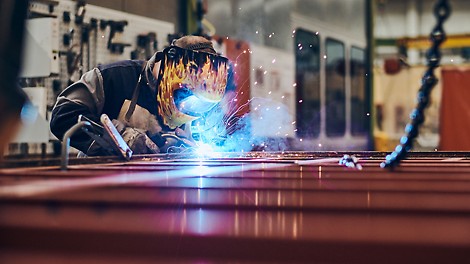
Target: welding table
[290,207]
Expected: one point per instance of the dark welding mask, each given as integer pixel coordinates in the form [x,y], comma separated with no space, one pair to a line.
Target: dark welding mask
[190,83]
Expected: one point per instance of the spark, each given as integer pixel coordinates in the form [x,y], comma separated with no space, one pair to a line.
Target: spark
[282,97]
[300,101]
[368,114]
[319,145]
[229,123]
[278,108]
[273,61]
[324,56]
[294,85]
[256,31]
[301,140]
[293,31]
[269,92]
[265,72]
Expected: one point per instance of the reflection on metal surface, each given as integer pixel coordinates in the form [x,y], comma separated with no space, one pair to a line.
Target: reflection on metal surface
[256,224]
[41,187]
[236,224]
[241,210]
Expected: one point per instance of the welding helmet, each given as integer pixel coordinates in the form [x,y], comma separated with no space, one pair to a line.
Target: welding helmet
[190,83]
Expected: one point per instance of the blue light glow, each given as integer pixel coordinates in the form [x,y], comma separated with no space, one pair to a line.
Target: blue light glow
[202,170]
[204,149]
[229,128]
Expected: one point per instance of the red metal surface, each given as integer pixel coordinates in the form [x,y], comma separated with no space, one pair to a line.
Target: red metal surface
[292,209]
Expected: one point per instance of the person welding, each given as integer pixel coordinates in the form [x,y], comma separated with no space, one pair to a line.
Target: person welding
[145,99]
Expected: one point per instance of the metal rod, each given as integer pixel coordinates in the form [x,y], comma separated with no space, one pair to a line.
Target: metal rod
[66,142]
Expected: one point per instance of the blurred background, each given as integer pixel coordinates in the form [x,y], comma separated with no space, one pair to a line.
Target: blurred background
[317,75]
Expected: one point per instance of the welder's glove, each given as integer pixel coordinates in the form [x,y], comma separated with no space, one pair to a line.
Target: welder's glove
[183,133]
[136,139]
[177,140]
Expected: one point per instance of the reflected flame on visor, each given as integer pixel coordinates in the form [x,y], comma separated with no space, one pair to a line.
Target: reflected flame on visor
[202,76]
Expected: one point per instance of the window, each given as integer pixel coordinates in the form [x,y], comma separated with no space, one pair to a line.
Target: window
[335,88]
[307,68]
[358,92]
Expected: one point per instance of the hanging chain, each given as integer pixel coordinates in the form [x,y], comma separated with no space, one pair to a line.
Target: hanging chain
[428,81]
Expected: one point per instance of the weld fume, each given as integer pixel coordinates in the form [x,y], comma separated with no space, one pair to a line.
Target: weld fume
[265,128]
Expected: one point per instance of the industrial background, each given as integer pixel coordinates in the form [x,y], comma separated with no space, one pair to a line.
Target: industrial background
[331,87]
[69,38]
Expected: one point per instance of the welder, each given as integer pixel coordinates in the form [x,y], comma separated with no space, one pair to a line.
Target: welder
[146,99]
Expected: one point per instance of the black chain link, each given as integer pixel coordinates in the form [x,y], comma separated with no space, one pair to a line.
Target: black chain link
[442,11]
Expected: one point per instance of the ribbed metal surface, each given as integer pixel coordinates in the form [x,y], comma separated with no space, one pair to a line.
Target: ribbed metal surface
[255,208]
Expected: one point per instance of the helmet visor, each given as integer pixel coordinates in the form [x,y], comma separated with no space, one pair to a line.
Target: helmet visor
[190,83]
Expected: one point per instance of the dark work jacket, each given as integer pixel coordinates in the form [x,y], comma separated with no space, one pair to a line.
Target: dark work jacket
[103,90]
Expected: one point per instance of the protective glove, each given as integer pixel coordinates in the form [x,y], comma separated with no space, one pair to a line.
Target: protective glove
[136,139]
[178,140]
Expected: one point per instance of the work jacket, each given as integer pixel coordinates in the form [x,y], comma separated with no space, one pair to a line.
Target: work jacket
[108,89]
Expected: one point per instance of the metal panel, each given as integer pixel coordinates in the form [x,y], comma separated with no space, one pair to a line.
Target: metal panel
[293,207]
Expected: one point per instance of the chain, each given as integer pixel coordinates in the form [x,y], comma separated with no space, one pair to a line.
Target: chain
[442,11]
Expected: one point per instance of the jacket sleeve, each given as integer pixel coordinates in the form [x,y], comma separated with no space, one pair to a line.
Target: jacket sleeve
[84,97]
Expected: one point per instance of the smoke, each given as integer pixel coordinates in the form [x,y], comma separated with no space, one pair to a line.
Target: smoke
[226,128]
